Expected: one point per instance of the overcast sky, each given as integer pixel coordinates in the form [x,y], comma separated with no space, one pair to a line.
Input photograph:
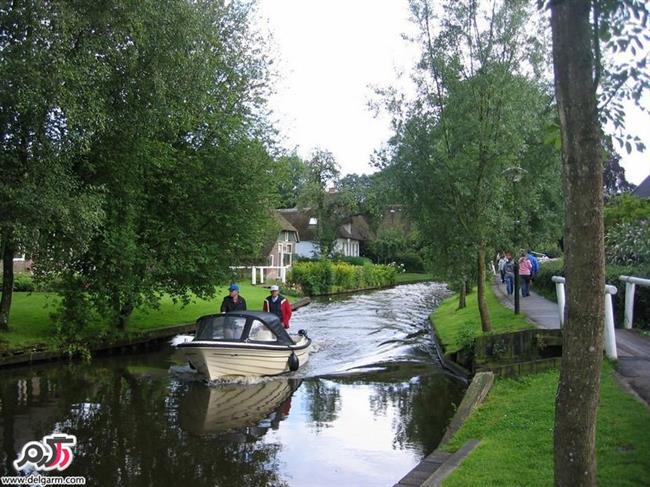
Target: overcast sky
[330,53]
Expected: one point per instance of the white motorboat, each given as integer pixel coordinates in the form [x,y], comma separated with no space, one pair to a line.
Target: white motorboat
[246,343]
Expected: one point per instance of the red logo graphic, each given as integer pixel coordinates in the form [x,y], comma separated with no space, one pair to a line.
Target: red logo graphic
[52,453]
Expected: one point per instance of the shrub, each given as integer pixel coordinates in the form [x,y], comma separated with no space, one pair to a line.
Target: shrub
[23,283]
[355,260]
[626,208]
[628,243]
[323,276]
[412,261]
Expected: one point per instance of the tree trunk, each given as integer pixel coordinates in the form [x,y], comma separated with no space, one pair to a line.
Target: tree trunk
[123,316]
[486,324]
[8,251]
[582,350]
[462,296]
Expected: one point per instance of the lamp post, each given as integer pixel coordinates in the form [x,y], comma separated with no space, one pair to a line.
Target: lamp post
[515,173]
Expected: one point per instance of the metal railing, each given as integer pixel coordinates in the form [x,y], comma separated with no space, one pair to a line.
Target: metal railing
[630,288]
[610,334]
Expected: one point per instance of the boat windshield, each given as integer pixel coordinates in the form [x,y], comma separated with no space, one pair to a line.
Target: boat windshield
[223,327]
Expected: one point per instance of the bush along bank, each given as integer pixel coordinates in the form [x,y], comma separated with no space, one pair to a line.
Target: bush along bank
[544,286]
[327,277]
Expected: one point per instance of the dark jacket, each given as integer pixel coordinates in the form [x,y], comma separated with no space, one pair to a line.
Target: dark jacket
[229,305]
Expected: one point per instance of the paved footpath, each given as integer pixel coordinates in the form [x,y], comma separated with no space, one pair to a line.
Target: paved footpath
[633,349]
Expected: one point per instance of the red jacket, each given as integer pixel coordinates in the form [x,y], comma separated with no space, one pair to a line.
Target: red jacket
[285,309]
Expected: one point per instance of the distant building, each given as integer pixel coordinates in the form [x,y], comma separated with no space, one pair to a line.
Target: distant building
[282,250]
[643,189]
[351,235]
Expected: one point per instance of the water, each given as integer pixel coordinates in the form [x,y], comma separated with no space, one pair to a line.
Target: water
[366,408]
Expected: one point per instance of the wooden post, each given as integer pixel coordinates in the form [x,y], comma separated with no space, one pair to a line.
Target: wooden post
[254,276]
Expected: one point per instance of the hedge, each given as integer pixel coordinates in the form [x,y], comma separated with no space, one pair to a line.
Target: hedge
[325,276]
[544,286]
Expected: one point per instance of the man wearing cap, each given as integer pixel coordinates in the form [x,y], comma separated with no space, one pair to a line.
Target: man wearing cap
[233,302]
[278,305]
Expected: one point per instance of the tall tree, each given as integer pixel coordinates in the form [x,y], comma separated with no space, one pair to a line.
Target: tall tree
[580,75]
[50,108]
[289,175]
[478,119]
[182,160]
[330,207]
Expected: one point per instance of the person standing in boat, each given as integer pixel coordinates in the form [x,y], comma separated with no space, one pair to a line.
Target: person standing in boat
[278,305]
[233,302]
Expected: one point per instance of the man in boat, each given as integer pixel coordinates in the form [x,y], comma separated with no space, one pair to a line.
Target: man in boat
[233,302]
[278,305]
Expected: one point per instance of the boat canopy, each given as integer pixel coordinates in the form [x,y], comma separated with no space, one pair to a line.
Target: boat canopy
[243,326]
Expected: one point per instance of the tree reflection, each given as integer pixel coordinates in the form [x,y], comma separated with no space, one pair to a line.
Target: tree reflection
[128,430]
[425,408]
[323,402]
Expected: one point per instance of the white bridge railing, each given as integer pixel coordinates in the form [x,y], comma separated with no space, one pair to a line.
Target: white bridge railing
[259,269]
[610,336]
[630,288]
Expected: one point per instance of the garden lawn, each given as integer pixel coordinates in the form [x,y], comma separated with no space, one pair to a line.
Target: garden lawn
[30,322]
[409,277]
[450,323]
[515,426]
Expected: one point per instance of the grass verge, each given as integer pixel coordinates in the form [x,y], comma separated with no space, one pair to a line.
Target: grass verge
[515,426]
[409,277]
[451,323]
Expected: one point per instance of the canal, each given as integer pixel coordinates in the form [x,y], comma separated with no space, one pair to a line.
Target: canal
[370,404]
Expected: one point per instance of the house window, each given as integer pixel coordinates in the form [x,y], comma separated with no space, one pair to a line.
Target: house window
[269,260]
[313,221]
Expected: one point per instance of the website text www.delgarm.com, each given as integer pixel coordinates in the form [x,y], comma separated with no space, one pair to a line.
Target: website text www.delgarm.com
[42,480]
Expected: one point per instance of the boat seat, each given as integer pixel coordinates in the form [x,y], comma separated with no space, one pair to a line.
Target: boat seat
[263,335]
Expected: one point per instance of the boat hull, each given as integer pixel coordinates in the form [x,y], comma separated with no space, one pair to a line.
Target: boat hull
[222,360]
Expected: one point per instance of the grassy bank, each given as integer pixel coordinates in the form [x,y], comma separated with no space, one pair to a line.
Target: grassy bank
[515,426]
[30,315]
[452,324]
[409,277]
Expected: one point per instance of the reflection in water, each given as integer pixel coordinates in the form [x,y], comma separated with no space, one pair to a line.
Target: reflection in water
[205,410]
[137,424]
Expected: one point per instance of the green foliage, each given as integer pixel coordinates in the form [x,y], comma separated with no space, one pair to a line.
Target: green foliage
[628,244]
[149,169]
[289,174]
[325,276]
[626,208]
[355,260]
[515,426]
[23,283]
[476,178]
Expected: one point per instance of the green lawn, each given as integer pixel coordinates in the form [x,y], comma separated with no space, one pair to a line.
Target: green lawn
[408,277]
[30,323]
[451,322]
[515,426]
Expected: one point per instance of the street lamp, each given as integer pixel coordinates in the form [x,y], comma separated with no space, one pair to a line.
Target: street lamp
[515,174]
